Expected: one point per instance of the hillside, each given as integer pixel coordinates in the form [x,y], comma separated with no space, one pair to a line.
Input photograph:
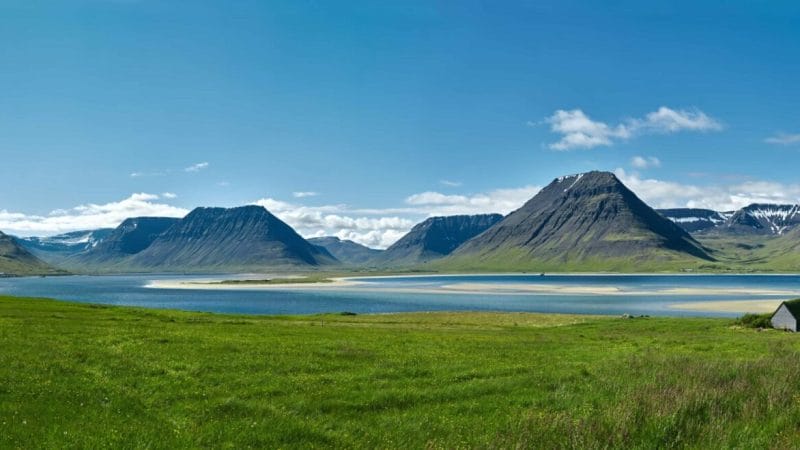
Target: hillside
[780,253]
[243,238]
[15,260]
[435,238]
[584,222]
[346,251]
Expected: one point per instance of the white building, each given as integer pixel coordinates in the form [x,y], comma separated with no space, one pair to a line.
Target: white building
[786,316]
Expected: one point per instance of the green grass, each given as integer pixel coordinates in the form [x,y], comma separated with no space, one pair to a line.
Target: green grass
[519,259]
[81,376]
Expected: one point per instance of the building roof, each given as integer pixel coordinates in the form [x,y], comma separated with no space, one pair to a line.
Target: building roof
[793,306]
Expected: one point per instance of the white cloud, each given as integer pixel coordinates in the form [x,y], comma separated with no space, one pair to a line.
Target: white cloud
[223,184]
[578,130]
[147,174]
[645,162]
[169,195]
[666,120]
[164,172]
[449,183]
[337,220]
[500,201]
[87,216]
[725,197]
[783,139]
[196,167]
[304,194]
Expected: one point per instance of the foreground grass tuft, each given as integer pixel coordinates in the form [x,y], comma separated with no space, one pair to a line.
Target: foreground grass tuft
[94,376]
[755,320]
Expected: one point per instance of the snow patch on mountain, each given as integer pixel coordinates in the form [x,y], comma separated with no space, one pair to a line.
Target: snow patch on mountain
[777,218]
[756,218]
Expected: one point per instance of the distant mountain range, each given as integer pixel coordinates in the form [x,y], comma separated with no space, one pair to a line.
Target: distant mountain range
[345,251]
[588,221]
[582,222]
[56,248]
[755,219]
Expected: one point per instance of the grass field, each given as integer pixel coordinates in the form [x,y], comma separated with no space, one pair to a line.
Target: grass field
[81,376]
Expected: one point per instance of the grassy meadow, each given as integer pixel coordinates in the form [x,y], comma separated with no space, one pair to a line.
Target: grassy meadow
[84,376]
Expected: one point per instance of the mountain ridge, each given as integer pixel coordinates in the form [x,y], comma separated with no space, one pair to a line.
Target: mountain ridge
[436,237]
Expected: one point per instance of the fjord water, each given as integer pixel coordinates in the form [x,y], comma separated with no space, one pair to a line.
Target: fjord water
[407,294]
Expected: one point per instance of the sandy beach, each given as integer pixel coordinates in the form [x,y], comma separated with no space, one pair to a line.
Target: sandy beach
[732,306]
[214,284]
[528,288]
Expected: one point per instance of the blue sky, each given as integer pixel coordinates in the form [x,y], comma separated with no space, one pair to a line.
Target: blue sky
[383,113]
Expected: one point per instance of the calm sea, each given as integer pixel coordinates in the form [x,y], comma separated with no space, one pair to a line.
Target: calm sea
[379,295]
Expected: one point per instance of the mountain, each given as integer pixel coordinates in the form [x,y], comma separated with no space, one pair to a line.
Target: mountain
[764,219]
[243,238]
[588,221]
[436,237]
[129,238]
[15,260]
[347,252]
[54,249]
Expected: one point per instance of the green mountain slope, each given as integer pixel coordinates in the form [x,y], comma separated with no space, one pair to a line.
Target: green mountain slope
[780,253]
[15,260]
